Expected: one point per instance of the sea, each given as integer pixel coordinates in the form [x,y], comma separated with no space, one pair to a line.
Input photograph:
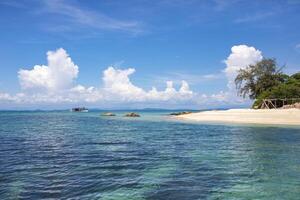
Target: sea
[65,155]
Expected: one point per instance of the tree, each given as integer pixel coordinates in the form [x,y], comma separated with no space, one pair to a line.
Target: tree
[290,89]
[258,78]
[296,76]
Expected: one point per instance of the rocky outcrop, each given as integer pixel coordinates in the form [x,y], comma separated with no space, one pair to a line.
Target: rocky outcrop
[181,113]
[108,114]
[132,115]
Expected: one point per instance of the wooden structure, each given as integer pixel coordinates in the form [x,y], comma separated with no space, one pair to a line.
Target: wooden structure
[277,103]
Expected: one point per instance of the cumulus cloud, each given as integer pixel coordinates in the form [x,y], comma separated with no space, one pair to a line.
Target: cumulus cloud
[80,93]
[117,84]
[240,57]
[59,74]
[170,93]
[54,83]
[185,88]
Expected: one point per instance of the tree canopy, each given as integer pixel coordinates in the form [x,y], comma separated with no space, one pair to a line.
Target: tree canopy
[266,80]
[258,78]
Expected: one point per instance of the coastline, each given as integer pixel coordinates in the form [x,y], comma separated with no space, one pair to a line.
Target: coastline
[246,116]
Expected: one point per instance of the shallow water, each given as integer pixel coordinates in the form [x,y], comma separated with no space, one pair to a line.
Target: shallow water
[62,155]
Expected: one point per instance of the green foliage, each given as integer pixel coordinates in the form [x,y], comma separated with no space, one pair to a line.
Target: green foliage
[264,80]
[296,76]
[288,89]
[258,78]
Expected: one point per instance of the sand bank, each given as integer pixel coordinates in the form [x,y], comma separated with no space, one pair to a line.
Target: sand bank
[247,116]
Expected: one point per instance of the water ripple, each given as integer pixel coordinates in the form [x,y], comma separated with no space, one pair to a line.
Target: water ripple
[61,155]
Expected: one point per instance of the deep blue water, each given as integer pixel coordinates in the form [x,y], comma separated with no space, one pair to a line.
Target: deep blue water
[62,155]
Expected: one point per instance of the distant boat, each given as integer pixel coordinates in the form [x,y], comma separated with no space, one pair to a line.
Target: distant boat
[81,109]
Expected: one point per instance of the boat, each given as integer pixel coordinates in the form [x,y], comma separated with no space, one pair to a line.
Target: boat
[79,109]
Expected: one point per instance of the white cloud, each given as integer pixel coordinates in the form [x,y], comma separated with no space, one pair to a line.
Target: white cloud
[80,93]
[240,57]
[5,97]
[185,88]
[170,93]
[59,74]
[117,83]
[221,96]
[54,84]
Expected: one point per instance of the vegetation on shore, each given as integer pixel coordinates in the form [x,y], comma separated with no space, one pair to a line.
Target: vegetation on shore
[265,80]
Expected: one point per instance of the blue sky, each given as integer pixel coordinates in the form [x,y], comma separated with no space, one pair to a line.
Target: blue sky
[167,40]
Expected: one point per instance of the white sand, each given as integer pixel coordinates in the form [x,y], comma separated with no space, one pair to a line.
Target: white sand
[246,116]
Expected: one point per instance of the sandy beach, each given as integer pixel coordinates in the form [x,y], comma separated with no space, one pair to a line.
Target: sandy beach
[247,116]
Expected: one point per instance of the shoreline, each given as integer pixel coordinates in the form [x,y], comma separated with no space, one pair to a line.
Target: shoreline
[246,116]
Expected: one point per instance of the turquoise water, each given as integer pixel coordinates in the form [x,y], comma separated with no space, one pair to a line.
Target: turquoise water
[63,155]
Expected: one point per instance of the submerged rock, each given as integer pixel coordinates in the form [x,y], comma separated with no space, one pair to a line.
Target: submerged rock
[181,113]
[108,114]
[132,115]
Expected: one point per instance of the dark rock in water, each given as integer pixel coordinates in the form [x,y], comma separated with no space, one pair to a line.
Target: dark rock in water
[181,113]
[108,114]
[132,115]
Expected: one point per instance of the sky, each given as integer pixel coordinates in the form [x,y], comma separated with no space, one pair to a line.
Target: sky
[113,54]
